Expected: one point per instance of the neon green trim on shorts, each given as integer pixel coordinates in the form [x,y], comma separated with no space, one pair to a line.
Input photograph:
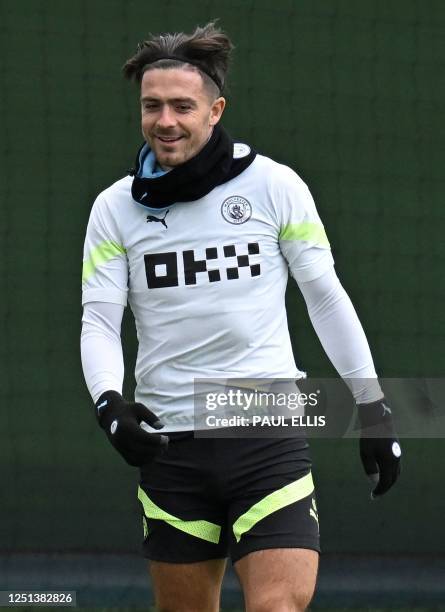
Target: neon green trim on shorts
[285,496]
[99,255]
[309,232]
[200,529]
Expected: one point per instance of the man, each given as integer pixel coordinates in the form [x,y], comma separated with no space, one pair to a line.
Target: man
[201,239]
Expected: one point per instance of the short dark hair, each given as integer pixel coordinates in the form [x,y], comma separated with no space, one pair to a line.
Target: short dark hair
[207,50]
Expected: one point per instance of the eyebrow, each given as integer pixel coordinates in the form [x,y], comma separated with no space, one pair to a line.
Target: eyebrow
[190,101]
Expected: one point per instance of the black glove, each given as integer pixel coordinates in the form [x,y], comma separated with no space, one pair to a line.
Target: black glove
[121,421]
[379,445]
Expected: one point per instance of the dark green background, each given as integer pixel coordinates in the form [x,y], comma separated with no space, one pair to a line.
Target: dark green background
[351,95]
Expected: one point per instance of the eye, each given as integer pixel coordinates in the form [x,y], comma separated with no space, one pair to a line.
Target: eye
[149,106]
[183,108]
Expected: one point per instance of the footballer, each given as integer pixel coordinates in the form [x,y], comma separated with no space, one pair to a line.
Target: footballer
[199,240]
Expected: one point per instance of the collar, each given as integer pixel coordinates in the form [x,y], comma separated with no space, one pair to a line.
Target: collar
[148,164]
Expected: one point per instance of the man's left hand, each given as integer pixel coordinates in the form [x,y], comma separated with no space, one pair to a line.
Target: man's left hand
[380,450]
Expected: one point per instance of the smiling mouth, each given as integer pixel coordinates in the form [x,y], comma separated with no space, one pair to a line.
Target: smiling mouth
[169,139]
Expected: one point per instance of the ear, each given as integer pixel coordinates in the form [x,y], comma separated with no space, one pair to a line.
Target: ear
[217,110]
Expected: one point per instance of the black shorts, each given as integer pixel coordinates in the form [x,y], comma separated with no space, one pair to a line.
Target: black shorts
[212,498]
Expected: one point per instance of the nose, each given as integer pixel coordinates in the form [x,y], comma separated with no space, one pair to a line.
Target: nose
[166,118]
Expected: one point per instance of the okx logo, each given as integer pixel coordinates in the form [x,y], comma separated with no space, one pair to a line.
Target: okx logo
[162,268]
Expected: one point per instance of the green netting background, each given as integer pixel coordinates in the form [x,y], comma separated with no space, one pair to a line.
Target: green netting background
[350,94]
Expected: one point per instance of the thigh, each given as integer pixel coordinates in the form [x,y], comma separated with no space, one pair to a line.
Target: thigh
[187,587]
[278,579]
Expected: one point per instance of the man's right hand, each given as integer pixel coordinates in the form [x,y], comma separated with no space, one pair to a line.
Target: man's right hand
[121,421]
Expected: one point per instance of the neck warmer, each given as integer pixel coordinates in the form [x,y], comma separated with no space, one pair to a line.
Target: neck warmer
[214,165]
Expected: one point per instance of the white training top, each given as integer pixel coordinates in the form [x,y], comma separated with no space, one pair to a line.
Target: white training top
[206,280]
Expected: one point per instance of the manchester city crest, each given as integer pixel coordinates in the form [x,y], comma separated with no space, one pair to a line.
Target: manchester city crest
[236,210]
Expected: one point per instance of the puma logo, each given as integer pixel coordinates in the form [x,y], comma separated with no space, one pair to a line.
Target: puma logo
[313,511]
[151,218]
[386,410]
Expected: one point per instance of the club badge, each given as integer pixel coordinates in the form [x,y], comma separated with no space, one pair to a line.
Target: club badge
[236,210]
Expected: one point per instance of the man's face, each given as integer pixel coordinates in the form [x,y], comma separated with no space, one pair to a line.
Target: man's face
[178,114]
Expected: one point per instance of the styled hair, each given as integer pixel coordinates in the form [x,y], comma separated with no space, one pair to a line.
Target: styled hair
[207,50]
